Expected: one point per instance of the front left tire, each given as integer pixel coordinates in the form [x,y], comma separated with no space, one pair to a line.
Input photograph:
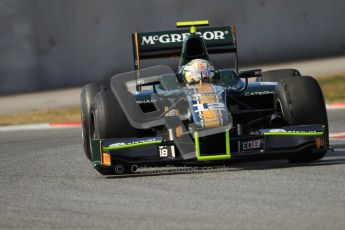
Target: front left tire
[109,121]
[86,98]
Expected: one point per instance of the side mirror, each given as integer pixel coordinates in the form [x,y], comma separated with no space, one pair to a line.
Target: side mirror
[250,73]
[149,81]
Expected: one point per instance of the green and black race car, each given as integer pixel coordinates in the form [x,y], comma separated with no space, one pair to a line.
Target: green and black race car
[154,117]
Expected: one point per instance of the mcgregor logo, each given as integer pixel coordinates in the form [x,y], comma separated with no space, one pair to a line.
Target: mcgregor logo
[172,38]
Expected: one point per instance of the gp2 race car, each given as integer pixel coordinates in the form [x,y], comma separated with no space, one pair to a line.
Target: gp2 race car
[151,117]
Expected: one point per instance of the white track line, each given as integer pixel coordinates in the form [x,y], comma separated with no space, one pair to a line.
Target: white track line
[25,127]
[40,126]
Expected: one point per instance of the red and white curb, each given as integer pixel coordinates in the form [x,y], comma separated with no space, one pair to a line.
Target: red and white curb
[336,105]
[337,135]
[40,126]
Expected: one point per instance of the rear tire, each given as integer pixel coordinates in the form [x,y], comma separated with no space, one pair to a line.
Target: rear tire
[86,96]
[277,75]
[302,103]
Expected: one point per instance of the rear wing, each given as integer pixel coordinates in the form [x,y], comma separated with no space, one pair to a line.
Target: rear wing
[169,43]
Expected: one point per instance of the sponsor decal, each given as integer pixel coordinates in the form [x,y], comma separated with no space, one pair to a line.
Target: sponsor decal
[134,142]
[290,131]
[144,102]
[259,93]
[252,144]
[118,144]
[277,130]
[296,131]
[284,132]
[174,38]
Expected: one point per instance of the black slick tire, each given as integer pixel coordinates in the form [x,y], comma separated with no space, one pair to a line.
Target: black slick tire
[301,102]
[108,121]
[86,97]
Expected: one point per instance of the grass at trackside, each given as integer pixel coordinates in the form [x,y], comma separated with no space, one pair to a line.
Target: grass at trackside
[42,116]
[333,88]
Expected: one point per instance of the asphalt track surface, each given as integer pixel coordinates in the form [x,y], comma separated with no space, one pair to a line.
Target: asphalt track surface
[46,182]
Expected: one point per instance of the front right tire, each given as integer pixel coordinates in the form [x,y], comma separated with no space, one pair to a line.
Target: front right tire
[302,103]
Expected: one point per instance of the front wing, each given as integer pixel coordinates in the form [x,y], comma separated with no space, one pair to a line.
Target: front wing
[156,151]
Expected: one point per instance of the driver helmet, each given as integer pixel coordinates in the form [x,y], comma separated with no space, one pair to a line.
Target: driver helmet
[198,71]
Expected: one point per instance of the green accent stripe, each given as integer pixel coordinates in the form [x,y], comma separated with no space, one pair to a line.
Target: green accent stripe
[131,145]
[192,23]
[293,134]
[192,29]
[227,142]
[226,156]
